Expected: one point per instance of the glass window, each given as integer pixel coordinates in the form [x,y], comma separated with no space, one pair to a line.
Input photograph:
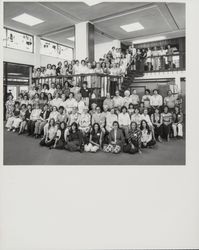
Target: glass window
[65,52]
[48,48]
[19,41]
[56,50]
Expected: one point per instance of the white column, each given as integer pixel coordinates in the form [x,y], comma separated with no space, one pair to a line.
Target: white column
[37,59]
[81,40]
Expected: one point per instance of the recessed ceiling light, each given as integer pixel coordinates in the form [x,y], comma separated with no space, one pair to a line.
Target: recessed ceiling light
[72,38]
[132,27]
[27,19]
[92,2]
[151,39]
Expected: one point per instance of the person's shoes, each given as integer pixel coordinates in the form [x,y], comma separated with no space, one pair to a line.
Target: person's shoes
[14,130]
[8,129]
[36,136]
[159,139]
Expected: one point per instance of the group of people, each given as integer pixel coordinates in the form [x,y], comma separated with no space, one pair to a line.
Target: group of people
[63,119]
[115,62]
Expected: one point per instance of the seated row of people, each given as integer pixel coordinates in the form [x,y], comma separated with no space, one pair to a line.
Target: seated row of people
[73,139]
[37,120]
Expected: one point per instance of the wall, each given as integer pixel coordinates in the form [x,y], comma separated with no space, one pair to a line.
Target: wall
[103,48]
[18,56]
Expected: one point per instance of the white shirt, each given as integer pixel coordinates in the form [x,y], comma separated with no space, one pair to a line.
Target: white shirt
[156,100]
[135,99]
[80,106]
[52,91]
[136,118]
[146,99]
[118,101]
[146,118]
[145,136]
[56,102]
[124,119]
[110,118]
[70,104]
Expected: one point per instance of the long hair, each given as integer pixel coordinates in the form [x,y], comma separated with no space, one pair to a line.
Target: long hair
[61,127]
[52,119]
[147,126]
[117,124]
[136,126]
[76,127]
[93,128]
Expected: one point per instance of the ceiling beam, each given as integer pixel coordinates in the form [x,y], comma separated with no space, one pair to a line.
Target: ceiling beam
[123,13]
[53,32]
[52,7]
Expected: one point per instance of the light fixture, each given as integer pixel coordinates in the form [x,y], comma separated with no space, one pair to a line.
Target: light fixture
[132,27]
[27,19]
[92,2]
[151,39]
[72,38]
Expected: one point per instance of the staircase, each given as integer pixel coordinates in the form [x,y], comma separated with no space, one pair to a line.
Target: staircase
[129,79]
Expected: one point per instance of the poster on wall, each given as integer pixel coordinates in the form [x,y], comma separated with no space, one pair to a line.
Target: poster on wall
[48,48]
[65,52]
[19,41]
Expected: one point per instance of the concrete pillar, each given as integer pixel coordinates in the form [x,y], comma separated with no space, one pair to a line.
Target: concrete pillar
[37,57]
[84,41]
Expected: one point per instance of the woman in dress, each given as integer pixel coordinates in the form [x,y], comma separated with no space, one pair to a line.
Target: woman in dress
[177,124]
[74,139]
[95,140]
[61,135]
[49,138]
[147,135]
[9,106]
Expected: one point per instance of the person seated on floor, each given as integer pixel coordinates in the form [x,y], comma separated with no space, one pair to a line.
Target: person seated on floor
[74,140]
[26,119]
[10,122]
[49,138]
[42,121]
[177,124]
[116,139]
[124,121]
[166,123]
[156,120]
[53,114]
[134,140]
[147,135]
[95,140]
[61,137]
[61,117]
[35,115]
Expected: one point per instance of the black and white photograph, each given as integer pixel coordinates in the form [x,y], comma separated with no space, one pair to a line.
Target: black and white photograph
[94,83]
[99,129]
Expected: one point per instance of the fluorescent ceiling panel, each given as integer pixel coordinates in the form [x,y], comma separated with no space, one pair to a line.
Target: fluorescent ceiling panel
[72,38]
[132,27]
[92,2]
[151,39]
[27,19]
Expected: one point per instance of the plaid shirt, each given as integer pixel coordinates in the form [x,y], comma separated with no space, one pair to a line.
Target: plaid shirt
[134,138]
